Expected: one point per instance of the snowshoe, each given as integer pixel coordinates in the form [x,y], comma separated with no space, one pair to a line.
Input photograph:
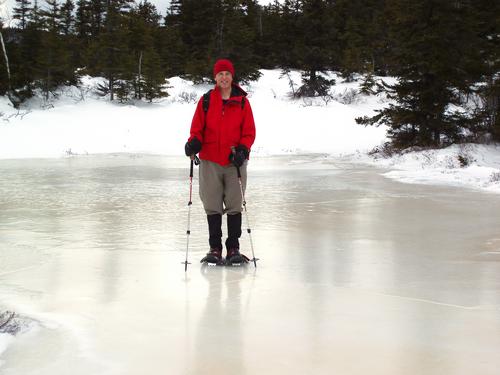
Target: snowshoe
[213,258]
[235,258]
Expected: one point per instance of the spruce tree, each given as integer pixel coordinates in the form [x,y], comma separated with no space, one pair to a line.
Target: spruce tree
[289,32]
[172,51]
[362,26]
[149,76]
[110,55]
[54,58]
[431,46]
[269,37]
[314,45]
[5,82]
[25,63]
[485,22]
[81,40]
[253,18]
[20,12]
[202,24]
[97,13]
[236,38]
[152,76]
[169,41]
[67,19]
[82,20]
[74,48]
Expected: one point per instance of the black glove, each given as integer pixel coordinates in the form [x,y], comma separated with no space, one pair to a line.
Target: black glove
[192,147]
[239,156]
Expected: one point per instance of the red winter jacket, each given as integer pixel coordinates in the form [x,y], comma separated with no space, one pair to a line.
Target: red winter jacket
[226,125]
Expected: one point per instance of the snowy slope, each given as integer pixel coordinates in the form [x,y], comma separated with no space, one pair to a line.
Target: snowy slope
[93,125]
[80,123]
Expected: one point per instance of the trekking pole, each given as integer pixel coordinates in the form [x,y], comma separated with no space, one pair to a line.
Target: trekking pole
[194,160]
[249,231]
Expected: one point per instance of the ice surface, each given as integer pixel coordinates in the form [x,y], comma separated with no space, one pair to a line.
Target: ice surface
[359,274]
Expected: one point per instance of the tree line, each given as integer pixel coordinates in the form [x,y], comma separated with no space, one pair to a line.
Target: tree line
[445,54]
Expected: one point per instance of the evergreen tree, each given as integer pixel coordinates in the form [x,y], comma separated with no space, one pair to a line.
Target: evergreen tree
[152,78]
[5,84]
[149,77]
[80,40]
[362,26]
[202,24]
[289,30]
[169,41]
[269,37]
[432,45]
[485,22]
[97,12]
[34,17]
[51,17]
[54,68]
[74,49]
[110,53]
[314,45]
[67,19]
[253,18]
[82,20]
[174,9]
[25,58]
[20,12]
[236,35]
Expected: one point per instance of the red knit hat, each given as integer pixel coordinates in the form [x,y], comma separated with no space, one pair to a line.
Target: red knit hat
[223,65]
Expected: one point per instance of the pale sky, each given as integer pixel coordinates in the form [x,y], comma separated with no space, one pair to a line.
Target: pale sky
[161,5]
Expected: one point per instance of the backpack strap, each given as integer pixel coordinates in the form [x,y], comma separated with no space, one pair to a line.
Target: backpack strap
[206,100]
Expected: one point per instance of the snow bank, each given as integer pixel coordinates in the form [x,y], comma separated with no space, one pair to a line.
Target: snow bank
[12,324]
[5,341]
[472,166]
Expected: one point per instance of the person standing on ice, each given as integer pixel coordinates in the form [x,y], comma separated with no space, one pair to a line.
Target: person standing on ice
[222,131]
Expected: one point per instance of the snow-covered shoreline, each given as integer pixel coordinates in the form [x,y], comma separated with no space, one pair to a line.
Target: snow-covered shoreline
[5,341]
[11,326]
[471,166]
[80,123]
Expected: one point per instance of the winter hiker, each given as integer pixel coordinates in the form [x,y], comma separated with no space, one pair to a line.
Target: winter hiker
[222,131]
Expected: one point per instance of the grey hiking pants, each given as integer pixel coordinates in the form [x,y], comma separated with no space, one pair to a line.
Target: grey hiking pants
[220,189]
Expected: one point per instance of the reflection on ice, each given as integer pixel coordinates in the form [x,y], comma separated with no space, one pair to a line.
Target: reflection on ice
[353,266]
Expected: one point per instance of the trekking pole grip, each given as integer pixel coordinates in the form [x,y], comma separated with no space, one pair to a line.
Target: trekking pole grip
[233,151]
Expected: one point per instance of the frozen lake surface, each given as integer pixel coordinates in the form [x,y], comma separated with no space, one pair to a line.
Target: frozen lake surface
[358,274]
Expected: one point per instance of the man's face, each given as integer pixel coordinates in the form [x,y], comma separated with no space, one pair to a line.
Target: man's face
[224,79]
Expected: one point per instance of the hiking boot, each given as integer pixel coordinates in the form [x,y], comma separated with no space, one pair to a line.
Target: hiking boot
[214,256]
[234,256]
